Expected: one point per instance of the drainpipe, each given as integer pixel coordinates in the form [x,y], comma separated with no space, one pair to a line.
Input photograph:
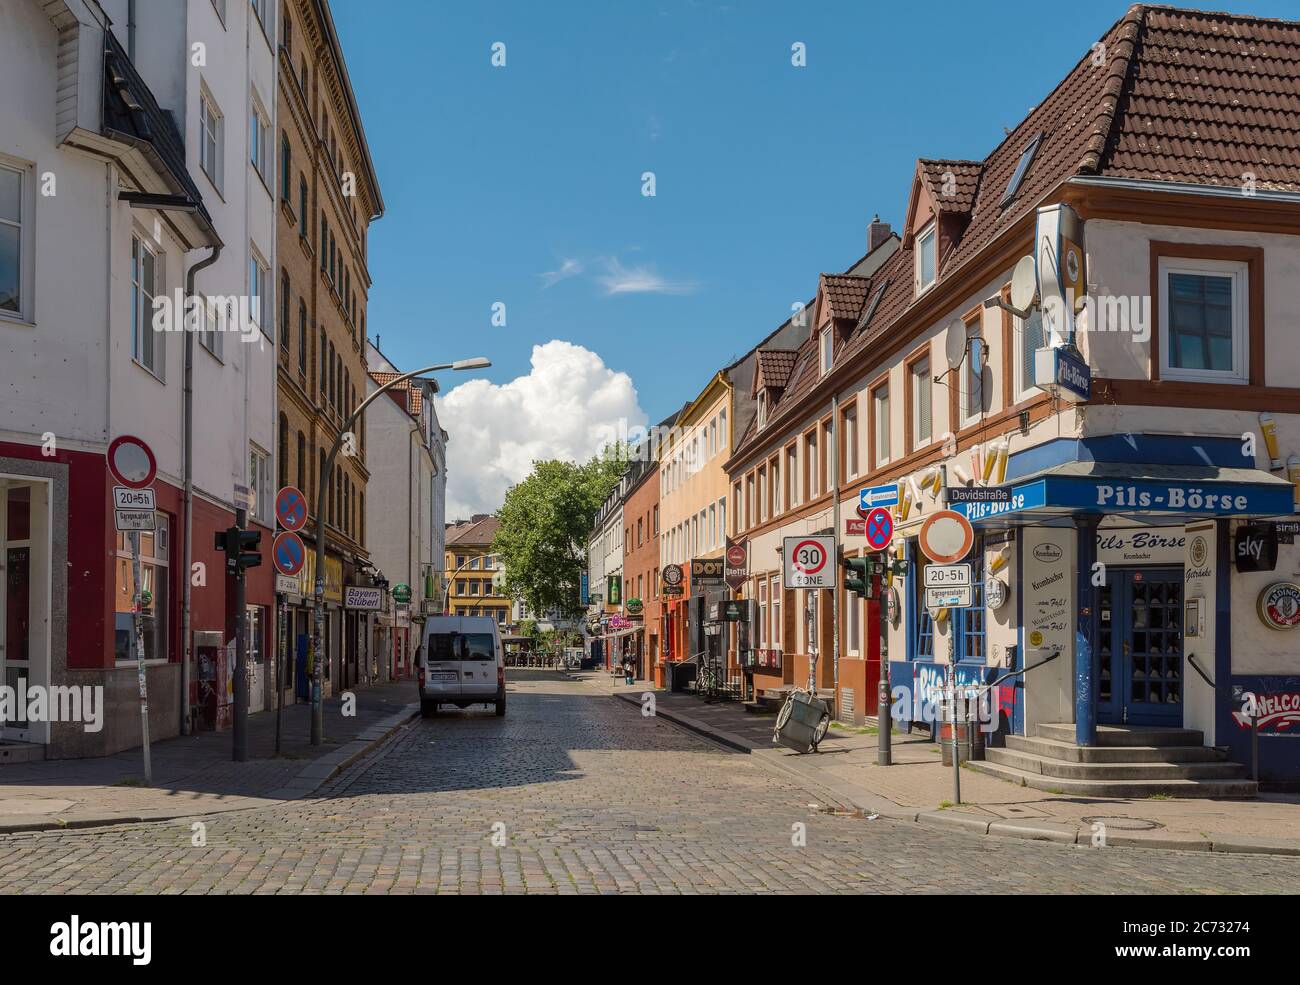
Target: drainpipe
[839,575]
[188,547]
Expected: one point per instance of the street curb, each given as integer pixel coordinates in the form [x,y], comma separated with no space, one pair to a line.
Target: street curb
[993,827]
[307,781]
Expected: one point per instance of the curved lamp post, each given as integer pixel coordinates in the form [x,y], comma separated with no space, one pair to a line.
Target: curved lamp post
[317,708]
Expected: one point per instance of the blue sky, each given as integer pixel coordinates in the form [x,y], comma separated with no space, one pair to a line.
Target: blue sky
[522,184]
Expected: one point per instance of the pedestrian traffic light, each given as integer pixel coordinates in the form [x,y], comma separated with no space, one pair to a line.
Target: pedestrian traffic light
[857,576]
[240,547]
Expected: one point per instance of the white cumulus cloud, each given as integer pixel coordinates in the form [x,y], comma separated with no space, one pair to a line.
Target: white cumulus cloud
[567,406]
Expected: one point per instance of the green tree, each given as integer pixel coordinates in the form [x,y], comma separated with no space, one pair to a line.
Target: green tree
[545,523]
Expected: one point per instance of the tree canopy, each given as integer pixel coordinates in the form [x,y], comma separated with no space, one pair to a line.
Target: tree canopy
[545,523]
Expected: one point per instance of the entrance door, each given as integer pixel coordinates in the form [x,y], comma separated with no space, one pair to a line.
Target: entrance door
[1139,652]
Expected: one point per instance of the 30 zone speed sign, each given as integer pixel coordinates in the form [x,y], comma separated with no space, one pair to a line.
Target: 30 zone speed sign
[809,562]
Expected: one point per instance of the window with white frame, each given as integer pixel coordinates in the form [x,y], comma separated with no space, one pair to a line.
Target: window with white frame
[722,429]
[259,301]
[775,628]
[713,525]
[759,630]
[259,139]
[927,259]
[15,242]
[211,327]
[722,514]
[1029,338]
[146,281]
[880,411]
[922,408]
[972,381]
[775,470]
[263,10]
[792,474]
[212,126]
[1204,321]
[826,347]
[259,481]
[850,422]
[762,408]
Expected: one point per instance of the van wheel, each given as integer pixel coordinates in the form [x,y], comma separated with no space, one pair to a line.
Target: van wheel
[501,704]
[428,709]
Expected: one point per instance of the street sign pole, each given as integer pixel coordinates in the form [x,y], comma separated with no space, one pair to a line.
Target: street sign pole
[137,625]
[884,718]
[239,733]
[281,663]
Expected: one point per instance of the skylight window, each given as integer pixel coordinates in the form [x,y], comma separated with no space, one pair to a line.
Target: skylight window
[1026,159]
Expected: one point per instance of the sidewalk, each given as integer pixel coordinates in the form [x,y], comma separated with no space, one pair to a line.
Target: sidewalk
[194,774]
[918,787]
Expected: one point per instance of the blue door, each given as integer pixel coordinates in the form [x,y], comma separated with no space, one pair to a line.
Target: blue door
[1139,662]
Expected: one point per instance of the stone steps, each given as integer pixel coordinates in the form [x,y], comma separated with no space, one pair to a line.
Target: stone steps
[1140,770]
[1069,752]
[1226,789]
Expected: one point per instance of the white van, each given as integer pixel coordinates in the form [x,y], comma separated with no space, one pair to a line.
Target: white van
[463,663]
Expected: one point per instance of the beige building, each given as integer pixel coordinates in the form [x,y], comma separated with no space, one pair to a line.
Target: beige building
[328,194]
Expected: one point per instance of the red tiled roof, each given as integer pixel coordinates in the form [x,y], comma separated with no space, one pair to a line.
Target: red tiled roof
[774,366]
[414,394]
[473,533]
[952,184]
[844,294]
[1177,95]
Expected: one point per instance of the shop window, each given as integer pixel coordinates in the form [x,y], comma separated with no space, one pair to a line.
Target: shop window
[924,620]
[254,628]
[969,624]
[154,599]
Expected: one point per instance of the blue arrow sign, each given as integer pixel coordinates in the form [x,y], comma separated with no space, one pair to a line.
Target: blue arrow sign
[874,496]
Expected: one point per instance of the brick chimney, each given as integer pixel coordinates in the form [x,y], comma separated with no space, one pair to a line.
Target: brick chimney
[877,233]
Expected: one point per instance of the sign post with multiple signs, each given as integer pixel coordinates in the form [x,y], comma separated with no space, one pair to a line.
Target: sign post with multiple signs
[289,554]
[133,465]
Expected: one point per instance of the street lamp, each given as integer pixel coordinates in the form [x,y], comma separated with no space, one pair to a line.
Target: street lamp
[317,708]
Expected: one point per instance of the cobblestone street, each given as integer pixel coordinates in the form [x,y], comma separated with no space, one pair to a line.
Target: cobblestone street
[588,796]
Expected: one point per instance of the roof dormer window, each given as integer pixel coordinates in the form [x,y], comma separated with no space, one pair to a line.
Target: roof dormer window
[762,408]
[826,345]
[1018,176]
[927,258]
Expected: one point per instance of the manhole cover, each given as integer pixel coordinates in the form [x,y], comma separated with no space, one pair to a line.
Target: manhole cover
[1125,823]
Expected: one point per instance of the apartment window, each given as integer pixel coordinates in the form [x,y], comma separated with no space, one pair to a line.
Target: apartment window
[286,29]
[301,474]
[922,407]
[849,422]
[774,468]
[303,219]
[1204,334]
[146,344]
[282,451]
[713,526]
[302,337]
[262,8]
[656,521]
[1030,337]
[880,412]
[259,481]
[259,295]
[286,171]
[259,138]
[722,429]
[15,242]
[777,629]
[324,241]
[810,465]
[972,382]
[762,612]
[826,346]
[211,139]
[284,309]
[762,413]
[750,518]
[722,514]
[792,475]
[927,260]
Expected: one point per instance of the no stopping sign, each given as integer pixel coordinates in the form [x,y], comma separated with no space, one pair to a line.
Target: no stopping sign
[809,562]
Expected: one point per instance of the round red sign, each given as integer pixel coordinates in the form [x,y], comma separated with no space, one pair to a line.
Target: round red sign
[809,557]
[735,555]
[131,462]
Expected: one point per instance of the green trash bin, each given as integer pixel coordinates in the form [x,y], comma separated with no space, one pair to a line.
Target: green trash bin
[802,722]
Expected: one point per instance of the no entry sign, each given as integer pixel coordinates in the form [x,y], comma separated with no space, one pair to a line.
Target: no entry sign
[808,562]
[288,553]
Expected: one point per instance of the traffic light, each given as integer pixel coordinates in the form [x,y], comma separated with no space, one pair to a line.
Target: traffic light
[857,576]
[240,547]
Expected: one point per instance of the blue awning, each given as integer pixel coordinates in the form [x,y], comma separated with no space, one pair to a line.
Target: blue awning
[1150,493]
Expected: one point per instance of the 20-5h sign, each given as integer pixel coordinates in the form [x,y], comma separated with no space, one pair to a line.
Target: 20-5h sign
[809,562]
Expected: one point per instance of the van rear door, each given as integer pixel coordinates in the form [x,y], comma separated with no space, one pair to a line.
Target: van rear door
[479,666]
[442,660]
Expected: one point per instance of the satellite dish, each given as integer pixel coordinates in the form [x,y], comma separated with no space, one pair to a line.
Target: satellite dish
[955,345]
[1024,283]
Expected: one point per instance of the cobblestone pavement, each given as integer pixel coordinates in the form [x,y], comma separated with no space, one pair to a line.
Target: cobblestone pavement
[587,796]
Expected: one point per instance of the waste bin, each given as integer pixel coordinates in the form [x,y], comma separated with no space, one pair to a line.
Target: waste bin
[802,722]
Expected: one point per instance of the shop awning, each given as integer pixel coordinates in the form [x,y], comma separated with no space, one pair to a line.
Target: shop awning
[1148,493]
